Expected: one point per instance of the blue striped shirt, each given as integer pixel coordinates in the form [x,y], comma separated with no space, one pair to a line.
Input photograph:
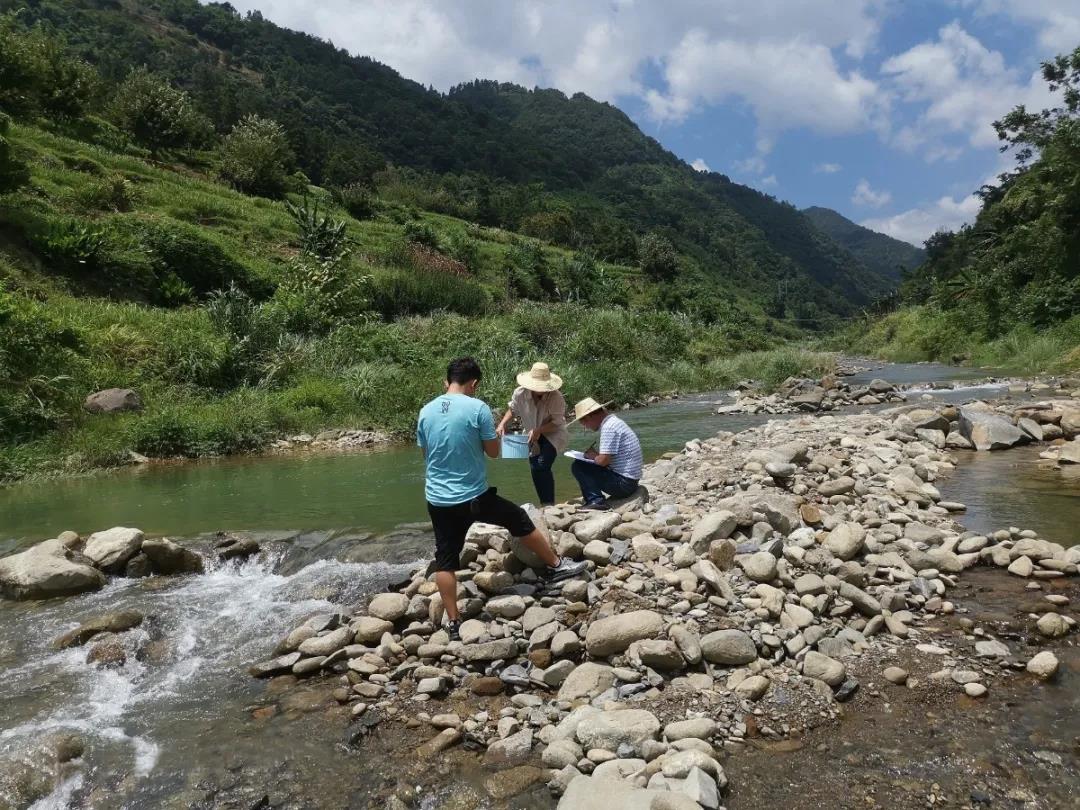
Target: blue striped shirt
[621,443]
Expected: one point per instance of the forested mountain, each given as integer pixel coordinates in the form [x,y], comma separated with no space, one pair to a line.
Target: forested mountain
[571,171]
[880,253]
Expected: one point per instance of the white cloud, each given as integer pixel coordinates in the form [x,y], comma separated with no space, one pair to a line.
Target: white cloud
[827,168]
[751,165]
[1057,21]
[768,182]
[700,165]
[916,224]
[957,87]
[865,195]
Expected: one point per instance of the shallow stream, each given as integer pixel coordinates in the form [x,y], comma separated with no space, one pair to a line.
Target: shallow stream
[181,724]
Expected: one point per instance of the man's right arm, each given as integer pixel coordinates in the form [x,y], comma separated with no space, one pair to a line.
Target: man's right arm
[489,439]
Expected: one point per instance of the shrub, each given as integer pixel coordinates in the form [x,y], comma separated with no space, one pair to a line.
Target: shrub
[158,115]
[420,233]
[464,248]
[357,199]
[658,258]
[316,295]
[39,75]
[73,244]
[398,293]
[321,236]
[255,157]
[110,193]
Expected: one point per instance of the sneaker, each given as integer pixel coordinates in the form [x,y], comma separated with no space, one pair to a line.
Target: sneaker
[453,629]
[565,569]
[597,506]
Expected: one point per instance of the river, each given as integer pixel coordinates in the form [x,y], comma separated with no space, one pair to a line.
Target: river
[180,722]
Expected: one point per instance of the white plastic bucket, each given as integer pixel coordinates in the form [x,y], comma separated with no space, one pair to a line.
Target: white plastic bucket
[515,445]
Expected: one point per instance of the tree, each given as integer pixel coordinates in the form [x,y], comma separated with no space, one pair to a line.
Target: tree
[39,75]
[158,115]
[12,170]
[256,158]
[659,261]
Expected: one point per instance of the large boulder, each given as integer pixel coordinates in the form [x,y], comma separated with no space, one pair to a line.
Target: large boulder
[388,606]
[730,648]
[607,792]
[615,633]
[46,570]
[113,400]
[116,622]
[111,549]
[781,511]
[167,557]
[988,430]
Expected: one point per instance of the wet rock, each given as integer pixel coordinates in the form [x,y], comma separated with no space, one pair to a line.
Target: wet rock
[275,666]
[138,567]
[168,558]
[47,570]
[110,550]
[513,749]
[614,634]
[110,653]
[116,622]
[1052,625]
[728,647]
[235,547]
[512,781]
[1043,665]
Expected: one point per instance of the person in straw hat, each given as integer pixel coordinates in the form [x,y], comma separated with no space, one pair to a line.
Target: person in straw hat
[540,406]
[612,470]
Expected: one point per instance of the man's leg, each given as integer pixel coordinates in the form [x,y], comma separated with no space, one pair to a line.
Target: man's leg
[543,479]
[588,479]
[451,524]
[491,508]
[447,584]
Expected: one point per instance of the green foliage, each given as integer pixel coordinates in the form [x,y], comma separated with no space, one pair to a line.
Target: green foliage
[421,233]
[72,244]
[255,157]
[463,248]
[110,193]
[158,115]
[38,355]
[357,199]
[38,75]
[318,294]
[658,258]
[396,294]
[321,236]
[13,172]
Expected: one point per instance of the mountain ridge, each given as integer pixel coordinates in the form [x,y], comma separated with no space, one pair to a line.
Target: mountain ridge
[877,251]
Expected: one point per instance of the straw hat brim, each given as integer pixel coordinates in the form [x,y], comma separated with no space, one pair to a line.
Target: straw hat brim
[594,410]
[526,380]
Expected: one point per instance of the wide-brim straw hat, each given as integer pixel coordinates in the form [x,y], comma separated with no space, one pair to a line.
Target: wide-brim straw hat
[585,407]
[539,378]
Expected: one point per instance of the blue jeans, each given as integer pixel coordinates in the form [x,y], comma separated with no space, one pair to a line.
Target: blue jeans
[543,478]
[595,481]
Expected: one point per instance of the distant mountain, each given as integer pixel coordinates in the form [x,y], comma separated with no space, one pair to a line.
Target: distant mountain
[880,253]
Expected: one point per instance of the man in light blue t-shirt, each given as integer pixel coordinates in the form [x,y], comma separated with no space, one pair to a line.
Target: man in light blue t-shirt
[456,431]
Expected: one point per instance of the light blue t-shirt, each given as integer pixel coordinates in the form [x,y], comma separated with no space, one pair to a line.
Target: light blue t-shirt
[450,430]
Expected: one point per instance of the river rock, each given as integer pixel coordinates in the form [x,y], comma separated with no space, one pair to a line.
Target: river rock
[1022,567]
[168,558]
[614,634]
[722,553]
[108,653]
[47,570]
[326,644]
[388,606]
[489,650]
[513,749]
[896,675]
[587,681]
[275,666]
[597,551]
[611,729]
[1069,453]
[823,668]
[688,641]
[863,602]
[493,582]
[113,400]
[754,687]
[846,540]
[235,547]
[561,753]
[836,486]
[506,607]
[1043,665]
[1052,625]
[659,654]
[609,792]
[370,629]
[597,527]
[809,584]
[116,622]
[110,550]
[728,648]
[760,566]
[988,430]
[700,728]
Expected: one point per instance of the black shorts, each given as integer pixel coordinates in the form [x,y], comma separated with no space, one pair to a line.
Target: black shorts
[451,524]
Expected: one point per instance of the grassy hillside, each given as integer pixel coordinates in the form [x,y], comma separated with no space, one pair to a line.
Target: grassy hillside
[572,171]
[881,254]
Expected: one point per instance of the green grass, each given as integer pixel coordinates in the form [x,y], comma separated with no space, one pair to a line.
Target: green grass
[916,334]
[135,309]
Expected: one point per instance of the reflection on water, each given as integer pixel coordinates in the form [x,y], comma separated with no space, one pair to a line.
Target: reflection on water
[1017,488]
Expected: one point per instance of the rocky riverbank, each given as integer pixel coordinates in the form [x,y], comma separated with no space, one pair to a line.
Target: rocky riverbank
[745,598]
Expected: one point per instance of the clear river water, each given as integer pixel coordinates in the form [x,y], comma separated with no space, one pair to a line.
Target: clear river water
[180,720]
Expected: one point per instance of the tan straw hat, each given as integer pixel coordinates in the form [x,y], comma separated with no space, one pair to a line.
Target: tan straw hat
[539,378]
[585,407]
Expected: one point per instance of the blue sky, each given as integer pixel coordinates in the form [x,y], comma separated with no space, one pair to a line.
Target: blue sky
[880,109]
